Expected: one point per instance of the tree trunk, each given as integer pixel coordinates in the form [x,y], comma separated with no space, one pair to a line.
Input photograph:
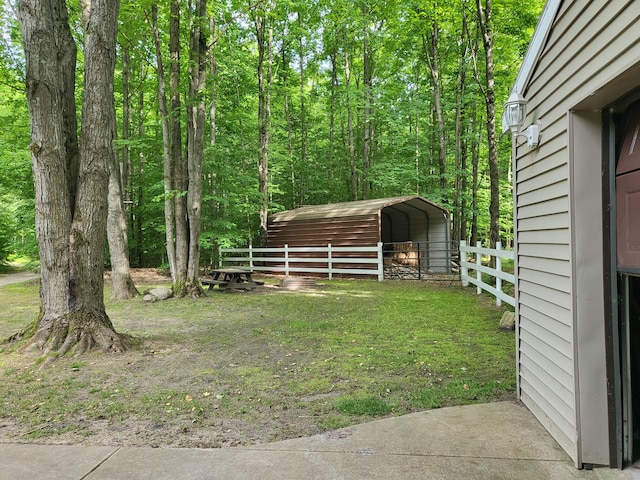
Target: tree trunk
[264,38]
[367,130]
[486,26]
[122,285]
[140,193]
[213,71]
[332,115]
[303,113]
[70,232]
[460,186]
[180,174]
[125,163]
[430,47]
[167,159]
[351,137]
[195,143]
[475,160]
[287,118]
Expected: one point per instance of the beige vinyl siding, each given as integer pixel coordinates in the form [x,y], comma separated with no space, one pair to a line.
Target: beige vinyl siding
[548,222]
[529,181]
[560,269]
[548,278]
[555,190]
[589,44]
[555,236]
[585,39]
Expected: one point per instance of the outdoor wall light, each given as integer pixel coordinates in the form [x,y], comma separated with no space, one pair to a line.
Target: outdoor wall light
[515,111]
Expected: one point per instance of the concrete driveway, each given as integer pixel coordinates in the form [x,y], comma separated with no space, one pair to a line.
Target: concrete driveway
[494,441]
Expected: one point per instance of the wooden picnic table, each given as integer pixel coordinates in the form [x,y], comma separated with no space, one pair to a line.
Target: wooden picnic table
[230,279]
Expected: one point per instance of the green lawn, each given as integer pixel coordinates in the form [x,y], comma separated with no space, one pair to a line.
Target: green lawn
[237,368]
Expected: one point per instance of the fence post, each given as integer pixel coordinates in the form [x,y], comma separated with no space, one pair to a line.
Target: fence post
[286,259]
[251,255]
[329,261]
[499,269]
[463,260]
[479,263]
[380,263]
[219,256]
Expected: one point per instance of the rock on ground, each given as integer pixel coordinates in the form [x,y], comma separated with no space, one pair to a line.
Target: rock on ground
[155,294]
[508,321]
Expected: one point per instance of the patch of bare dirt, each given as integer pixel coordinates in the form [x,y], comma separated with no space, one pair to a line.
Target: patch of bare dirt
[189,402]
[145,275]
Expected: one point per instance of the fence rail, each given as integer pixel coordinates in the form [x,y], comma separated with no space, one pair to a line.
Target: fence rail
[478,251]
[328,260]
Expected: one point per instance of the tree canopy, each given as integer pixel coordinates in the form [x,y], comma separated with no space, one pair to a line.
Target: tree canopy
[366,99]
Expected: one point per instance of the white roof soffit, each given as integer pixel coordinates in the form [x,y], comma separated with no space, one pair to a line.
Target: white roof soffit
[534,50]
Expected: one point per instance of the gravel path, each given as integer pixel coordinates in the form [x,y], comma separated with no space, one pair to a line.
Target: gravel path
[8,278]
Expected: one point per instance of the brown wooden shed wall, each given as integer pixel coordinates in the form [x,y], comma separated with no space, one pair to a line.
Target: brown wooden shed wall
[340,231]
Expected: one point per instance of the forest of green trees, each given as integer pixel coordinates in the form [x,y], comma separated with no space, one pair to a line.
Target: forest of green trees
[301,102]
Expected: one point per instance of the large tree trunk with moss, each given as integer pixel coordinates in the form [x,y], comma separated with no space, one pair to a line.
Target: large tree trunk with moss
[71,183]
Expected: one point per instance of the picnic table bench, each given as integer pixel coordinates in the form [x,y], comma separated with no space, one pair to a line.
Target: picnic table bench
[230,279]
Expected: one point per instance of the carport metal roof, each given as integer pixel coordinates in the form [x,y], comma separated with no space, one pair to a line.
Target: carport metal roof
[357,208]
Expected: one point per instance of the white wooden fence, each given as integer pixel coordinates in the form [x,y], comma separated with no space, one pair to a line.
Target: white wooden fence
[478,251]
[328,260]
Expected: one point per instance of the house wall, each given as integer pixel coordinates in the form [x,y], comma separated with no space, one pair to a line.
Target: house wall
[558,207]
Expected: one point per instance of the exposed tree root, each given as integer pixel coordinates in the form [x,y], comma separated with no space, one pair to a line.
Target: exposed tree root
[75,334]
[27,332]
[196,290]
